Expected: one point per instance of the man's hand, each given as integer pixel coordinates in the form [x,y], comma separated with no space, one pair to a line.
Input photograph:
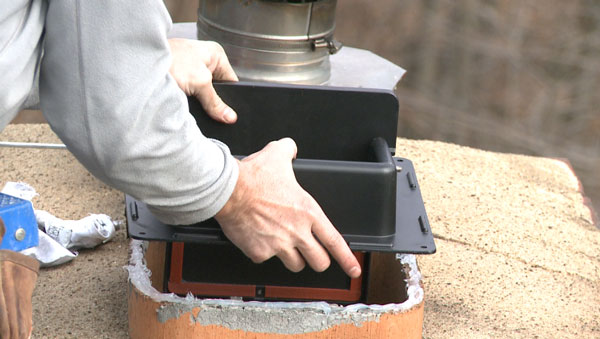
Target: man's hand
[195,64]
[269,214]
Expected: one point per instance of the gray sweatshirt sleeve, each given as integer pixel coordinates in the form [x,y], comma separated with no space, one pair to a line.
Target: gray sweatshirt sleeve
[106,91]
[21,27]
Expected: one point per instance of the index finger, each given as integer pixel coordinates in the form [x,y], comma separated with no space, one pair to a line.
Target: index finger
[333,241]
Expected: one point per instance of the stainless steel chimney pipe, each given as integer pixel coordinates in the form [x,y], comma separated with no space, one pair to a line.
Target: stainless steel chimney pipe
[276,41]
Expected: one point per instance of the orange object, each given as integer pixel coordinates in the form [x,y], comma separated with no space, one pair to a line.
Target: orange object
[153,314]
[144,323]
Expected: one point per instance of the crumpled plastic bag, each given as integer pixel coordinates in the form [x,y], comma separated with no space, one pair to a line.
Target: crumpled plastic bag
[60,235]
[48,252]
[20,190]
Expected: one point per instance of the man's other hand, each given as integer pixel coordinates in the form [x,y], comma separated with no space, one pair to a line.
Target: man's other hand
[269,214]
[195,64]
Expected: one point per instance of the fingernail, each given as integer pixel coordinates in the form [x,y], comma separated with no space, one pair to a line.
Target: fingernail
[229,115]
[355,272]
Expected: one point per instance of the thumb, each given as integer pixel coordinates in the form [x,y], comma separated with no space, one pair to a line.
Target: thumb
[287,147]
[280,150]
[210,100]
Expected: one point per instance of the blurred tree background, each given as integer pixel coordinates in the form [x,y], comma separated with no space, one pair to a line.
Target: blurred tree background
[505,75]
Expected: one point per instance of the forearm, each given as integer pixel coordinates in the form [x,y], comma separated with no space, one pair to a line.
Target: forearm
[106,91]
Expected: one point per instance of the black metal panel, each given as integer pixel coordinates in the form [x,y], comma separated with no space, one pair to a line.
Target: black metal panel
[329,123]
[412,233]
